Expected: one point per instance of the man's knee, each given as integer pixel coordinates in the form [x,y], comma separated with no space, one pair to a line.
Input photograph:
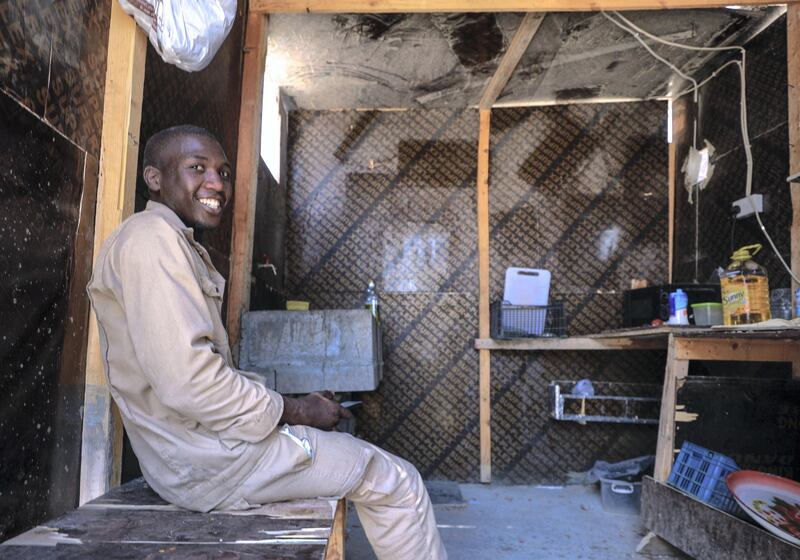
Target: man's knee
[390,480]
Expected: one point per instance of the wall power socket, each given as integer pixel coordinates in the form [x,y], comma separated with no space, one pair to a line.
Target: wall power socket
[744,206]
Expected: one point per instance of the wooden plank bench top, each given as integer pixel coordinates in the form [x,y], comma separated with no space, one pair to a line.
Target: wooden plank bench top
[132,521]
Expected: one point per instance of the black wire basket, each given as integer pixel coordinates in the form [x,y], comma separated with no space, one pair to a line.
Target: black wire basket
[527,321]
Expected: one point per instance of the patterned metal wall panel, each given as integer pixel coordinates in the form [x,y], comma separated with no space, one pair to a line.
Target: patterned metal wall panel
[390,196]
[580,190]
[530,447]
[719,123]
[53,59]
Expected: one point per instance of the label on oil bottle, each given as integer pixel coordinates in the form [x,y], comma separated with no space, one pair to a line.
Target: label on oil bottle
[741,299]
[735,304]
[734,297]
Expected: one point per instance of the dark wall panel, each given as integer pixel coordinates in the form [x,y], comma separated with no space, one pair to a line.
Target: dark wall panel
[52,79]
[269,243]
[719,123]
[757,424]
[390,196]
[41,388]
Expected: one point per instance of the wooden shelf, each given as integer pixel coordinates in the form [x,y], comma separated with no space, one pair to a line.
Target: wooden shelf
[658,339]
[573,343]
[629,339]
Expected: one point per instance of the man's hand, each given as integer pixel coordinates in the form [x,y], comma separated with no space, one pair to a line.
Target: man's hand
[317,410]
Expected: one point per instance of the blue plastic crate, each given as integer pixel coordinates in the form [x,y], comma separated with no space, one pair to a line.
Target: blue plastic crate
[701,473]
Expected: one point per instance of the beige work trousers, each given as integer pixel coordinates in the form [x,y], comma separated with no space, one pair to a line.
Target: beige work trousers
[388,493]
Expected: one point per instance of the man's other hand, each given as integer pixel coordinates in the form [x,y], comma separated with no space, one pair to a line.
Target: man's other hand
[317,410]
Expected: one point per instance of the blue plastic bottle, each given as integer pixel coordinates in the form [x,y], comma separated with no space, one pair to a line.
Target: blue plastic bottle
[797,303]
[681,307]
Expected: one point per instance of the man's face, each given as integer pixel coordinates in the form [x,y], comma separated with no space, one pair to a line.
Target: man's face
[194,181]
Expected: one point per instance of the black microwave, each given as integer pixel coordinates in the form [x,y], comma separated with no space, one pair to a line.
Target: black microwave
[642,305]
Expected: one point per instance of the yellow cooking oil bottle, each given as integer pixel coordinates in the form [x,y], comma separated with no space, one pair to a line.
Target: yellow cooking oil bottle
[745,288]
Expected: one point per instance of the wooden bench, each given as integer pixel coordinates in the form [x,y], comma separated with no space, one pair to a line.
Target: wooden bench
[132,521]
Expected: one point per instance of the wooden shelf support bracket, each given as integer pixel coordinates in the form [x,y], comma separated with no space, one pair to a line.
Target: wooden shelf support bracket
[676,371]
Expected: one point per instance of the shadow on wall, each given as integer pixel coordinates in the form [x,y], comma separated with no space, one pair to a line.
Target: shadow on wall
[392,197]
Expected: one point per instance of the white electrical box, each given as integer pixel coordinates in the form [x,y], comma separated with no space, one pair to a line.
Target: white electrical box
[748,206]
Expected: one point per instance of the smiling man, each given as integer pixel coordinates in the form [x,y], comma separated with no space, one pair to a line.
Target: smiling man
[207,435]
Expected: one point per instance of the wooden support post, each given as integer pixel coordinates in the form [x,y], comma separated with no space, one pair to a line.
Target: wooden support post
[244,200]
[793,77]
[335,548]
[671,211]
[483,297]
[676,372]
[793,74]
[522,38]
[101,449]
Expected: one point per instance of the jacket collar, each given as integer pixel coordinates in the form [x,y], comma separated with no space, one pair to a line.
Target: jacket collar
[171,217]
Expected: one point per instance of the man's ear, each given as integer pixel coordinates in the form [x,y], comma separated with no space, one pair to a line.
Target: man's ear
[152,176]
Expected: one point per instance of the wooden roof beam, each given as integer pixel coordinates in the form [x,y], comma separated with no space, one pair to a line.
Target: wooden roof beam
[519,44]
[412,6]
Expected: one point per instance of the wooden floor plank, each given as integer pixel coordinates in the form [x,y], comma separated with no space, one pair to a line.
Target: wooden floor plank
[92,525]
[114,551]
[132,521]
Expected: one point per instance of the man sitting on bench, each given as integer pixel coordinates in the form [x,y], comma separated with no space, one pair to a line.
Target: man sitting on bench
[209,436]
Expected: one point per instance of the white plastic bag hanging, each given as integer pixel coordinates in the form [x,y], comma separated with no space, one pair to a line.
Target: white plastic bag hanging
[186,33]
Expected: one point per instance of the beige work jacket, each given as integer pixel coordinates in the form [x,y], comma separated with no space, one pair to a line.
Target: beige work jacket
[198,426]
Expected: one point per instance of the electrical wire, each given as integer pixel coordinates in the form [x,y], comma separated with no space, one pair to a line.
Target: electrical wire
[635,33]
[713,75]
[673,43]
[634,30]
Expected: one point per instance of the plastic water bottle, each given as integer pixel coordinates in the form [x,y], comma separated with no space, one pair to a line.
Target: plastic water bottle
[678,308]
[372,302]
[797,303]
[682,307]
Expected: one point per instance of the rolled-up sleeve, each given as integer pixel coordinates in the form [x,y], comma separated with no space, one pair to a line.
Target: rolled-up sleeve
[172,334]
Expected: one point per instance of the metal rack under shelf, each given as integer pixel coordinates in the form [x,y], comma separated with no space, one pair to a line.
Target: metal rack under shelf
[613,402]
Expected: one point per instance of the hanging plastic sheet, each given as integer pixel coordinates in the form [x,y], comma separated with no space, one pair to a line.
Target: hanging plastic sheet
[186,33]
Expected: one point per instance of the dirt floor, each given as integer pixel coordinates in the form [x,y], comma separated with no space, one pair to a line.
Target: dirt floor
[523,522]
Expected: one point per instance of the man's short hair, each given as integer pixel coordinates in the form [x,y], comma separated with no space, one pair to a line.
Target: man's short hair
[158,141]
